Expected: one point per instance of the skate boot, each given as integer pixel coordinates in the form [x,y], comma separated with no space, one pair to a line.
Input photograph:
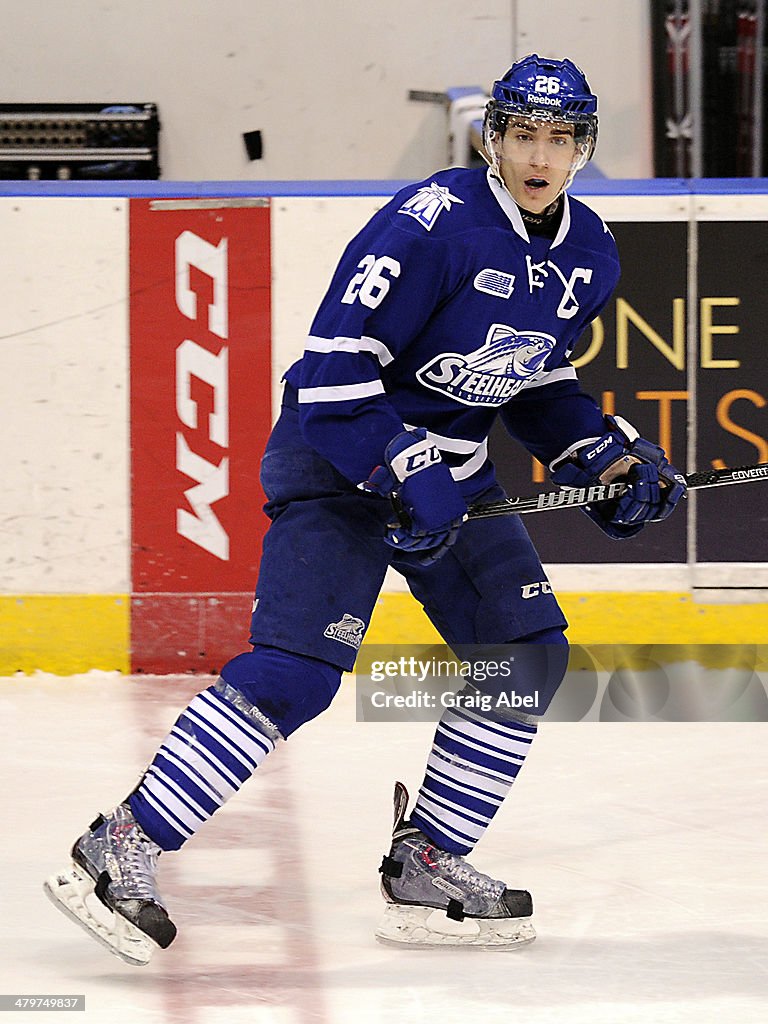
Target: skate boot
[115,862]
[435,898]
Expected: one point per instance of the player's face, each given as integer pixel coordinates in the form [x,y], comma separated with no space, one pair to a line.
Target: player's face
[535,159]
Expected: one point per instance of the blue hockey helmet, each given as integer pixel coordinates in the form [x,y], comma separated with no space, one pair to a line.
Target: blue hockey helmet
[543,88]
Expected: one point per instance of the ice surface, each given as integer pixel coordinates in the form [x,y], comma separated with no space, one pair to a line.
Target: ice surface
[645,847]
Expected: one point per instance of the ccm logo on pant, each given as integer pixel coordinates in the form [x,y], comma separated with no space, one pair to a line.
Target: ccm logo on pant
[535,589]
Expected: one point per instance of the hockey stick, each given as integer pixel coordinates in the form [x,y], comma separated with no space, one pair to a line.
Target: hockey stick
[573,497]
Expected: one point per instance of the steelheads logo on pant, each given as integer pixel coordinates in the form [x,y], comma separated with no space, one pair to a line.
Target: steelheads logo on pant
[348,631]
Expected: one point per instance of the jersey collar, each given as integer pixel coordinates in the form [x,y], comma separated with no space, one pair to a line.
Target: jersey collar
[512,213]
[565,223]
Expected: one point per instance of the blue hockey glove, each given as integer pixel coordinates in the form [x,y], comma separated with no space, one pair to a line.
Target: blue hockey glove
[426,498]
[654,487]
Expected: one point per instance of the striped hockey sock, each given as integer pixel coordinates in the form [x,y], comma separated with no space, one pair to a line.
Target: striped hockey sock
[212,749]
[470,770]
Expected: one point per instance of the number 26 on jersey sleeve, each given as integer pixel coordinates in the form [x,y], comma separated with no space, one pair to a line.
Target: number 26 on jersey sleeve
[372,281]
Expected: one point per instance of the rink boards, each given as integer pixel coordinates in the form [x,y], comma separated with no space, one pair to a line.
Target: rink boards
[144,339]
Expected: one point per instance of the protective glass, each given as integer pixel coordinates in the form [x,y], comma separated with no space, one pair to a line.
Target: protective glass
[561,143]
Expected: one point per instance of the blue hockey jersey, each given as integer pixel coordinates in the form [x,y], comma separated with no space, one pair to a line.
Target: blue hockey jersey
[444,313]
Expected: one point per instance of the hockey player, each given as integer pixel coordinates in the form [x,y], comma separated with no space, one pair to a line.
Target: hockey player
[459,302]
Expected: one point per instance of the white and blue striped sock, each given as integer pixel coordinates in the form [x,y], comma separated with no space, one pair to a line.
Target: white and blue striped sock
[212,749]
[470,770]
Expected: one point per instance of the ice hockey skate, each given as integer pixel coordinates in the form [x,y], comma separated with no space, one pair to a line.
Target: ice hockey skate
[110,888]
[436,899]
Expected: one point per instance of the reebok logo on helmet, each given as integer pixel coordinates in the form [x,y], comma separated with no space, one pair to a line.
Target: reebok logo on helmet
[544,101]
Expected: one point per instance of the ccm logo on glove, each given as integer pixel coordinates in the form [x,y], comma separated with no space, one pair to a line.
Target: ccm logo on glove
[605,443]
[653,486]
[426,498]
[415,458]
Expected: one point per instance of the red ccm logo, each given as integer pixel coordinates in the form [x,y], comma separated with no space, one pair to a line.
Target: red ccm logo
[201,405]
[201,526]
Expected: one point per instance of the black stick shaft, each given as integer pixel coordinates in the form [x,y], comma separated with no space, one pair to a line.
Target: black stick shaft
[573,497]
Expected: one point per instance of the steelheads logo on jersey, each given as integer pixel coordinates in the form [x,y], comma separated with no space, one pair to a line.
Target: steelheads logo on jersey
[492,373]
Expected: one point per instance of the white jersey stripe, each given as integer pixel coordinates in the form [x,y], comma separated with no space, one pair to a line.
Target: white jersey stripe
[457,445]
[471,465]
[341,392]
[478,450]
[550,377]
[364,344]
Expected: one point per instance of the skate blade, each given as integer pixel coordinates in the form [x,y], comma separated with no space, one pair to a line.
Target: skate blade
[69,891]
[427,928]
